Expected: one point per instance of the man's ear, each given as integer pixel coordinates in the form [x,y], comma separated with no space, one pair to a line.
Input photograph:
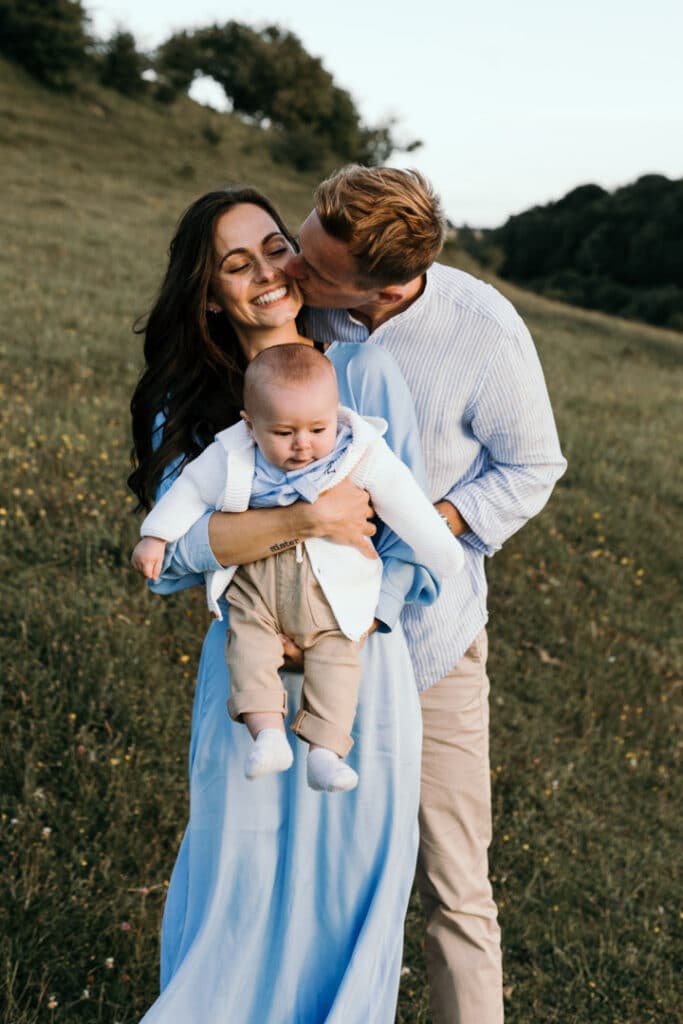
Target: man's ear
[389,296]
[245,416]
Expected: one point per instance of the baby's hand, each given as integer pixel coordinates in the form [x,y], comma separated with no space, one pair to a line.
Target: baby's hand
[148,557]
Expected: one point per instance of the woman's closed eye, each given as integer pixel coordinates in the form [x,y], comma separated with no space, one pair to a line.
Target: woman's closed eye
[239,268]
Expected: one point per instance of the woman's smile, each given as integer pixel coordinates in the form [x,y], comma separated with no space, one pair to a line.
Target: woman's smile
[274,295]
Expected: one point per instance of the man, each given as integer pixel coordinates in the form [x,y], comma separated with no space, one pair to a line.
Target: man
[367,266]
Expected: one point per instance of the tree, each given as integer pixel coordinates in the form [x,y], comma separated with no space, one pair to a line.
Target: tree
[121,65]
[270,77]
[620,252]
[47,37]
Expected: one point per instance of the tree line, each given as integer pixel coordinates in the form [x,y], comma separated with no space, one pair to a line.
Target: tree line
[619,252]
[266,73]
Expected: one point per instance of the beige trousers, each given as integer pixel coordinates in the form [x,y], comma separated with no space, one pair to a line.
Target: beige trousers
[462,945]
[281,595]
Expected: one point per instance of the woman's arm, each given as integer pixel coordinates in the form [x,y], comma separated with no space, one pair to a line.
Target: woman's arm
[341,514]
[219,539]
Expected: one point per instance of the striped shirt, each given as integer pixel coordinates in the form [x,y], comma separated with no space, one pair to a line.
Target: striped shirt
[487,430]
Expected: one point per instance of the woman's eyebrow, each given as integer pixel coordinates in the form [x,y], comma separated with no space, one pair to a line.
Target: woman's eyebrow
[244,249]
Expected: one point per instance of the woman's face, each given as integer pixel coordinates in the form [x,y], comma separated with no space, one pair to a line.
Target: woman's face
[248,282]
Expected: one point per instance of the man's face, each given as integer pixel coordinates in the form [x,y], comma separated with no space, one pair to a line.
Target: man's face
[325,270]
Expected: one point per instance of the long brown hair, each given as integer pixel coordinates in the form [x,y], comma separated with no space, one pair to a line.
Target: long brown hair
[194,364]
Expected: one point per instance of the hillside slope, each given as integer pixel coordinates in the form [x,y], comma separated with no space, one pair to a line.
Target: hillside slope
[97,676]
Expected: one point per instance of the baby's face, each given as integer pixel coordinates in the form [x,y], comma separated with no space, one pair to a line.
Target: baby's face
[295,426]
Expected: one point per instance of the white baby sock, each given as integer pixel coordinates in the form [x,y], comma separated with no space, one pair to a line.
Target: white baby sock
[271,753]
[326,771]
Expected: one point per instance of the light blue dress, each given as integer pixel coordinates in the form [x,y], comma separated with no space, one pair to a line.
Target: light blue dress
[286,906]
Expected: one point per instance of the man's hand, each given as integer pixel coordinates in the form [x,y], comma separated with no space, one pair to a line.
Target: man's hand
[148,557]
[455,520]
[342,514]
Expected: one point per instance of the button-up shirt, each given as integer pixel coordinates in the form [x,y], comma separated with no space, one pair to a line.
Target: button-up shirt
[487,429]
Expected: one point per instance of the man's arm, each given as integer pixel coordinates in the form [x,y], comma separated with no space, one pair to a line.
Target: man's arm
[512,418]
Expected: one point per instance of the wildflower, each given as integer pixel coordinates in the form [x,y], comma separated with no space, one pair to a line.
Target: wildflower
[109,963]
[126,926]
[52,1003]
[47,832]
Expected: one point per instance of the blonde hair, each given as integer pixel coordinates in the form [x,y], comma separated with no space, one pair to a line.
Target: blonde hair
[292,364]
[391,220]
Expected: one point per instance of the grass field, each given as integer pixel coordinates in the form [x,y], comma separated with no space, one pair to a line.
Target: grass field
[97,676]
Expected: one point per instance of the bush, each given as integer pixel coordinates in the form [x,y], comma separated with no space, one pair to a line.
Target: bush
[121,65]
[47,37]
[620,252]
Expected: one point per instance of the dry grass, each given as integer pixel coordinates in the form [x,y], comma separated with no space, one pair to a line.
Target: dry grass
[97,676]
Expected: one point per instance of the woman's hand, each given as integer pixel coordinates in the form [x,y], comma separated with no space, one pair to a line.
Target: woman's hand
[294,656]
[343,515]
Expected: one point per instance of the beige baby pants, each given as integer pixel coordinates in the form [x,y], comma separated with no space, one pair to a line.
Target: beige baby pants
[281,595]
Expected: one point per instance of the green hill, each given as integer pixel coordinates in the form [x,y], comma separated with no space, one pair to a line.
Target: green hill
[97,676]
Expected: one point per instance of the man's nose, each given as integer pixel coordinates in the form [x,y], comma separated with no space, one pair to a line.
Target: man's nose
[296,268]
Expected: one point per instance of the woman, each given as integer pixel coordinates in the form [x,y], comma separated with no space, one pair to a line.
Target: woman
[285,905]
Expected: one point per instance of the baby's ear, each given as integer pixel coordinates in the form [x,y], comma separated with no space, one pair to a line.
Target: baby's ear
[245,416]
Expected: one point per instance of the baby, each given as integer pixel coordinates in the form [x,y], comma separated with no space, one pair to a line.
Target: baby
[294,441]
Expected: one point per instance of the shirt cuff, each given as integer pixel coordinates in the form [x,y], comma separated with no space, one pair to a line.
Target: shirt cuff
[388,610]
[467,508]
[187,559]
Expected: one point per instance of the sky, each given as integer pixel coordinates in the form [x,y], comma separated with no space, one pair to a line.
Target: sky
[516,103]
